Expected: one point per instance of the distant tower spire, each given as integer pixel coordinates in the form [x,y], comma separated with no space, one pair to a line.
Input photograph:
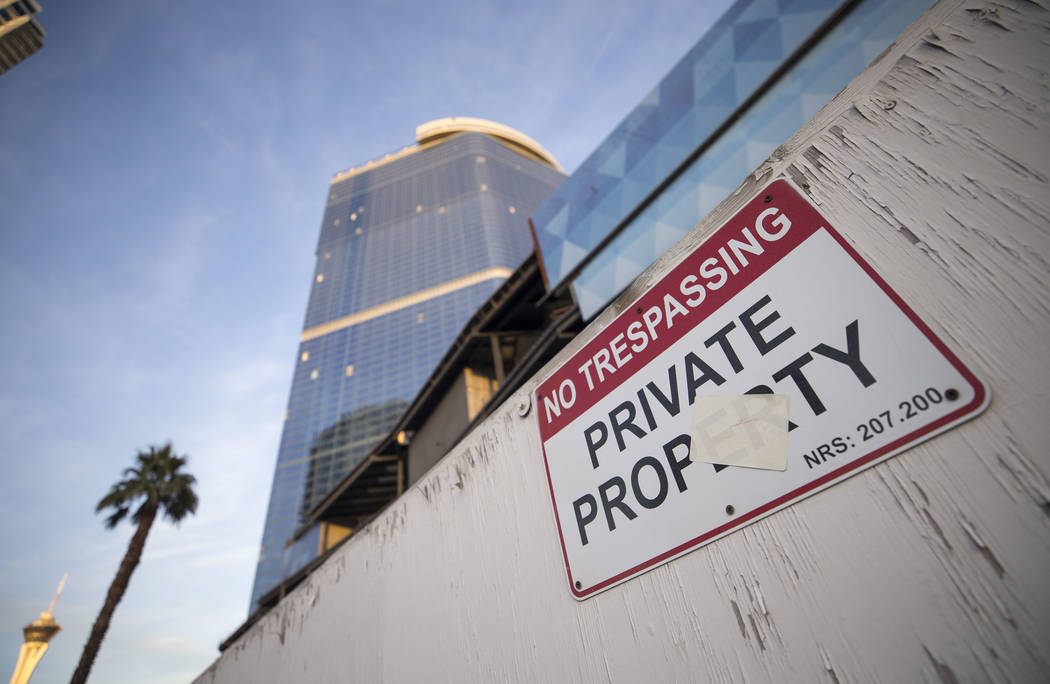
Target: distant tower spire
[58,592]
[37,635]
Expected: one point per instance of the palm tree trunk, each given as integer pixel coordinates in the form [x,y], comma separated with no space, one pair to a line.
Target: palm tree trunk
[116,592]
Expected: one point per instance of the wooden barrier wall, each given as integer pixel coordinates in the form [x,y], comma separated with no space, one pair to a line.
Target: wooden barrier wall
[933,566]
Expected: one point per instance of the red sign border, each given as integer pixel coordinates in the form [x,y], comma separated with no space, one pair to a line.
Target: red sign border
[982,397]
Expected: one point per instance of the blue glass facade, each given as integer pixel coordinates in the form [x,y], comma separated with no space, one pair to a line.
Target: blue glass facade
[726,74]
[409,248]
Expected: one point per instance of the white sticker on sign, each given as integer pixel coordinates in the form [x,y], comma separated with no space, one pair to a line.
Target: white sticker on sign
[746,430]
[642,427]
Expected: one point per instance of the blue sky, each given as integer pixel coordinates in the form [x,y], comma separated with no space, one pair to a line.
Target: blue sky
[163,169]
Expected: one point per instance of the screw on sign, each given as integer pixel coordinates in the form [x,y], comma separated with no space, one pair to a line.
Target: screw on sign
[769,363]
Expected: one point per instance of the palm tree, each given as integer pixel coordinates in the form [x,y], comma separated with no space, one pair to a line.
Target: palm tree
[157,481]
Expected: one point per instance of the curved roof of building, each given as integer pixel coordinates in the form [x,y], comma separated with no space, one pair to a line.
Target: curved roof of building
[440,128]
[433,132]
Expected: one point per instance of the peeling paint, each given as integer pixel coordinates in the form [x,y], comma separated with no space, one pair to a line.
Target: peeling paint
[944,673]
[828,667]
[739,618]
[971,532]
[912,237]
[936,529]
[758,635]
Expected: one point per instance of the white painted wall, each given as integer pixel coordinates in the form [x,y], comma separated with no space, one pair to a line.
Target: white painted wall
[934,566]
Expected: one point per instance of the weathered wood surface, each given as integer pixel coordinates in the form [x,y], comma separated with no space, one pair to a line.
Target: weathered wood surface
[933,566]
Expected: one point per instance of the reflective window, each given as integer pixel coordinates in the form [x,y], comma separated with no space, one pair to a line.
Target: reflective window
[841,54]
[427,224]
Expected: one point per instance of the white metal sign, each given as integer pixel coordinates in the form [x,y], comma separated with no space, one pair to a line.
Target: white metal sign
[768,364]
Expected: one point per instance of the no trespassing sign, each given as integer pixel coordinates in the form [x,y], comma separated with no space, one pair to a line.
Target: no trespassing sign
[768,364]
